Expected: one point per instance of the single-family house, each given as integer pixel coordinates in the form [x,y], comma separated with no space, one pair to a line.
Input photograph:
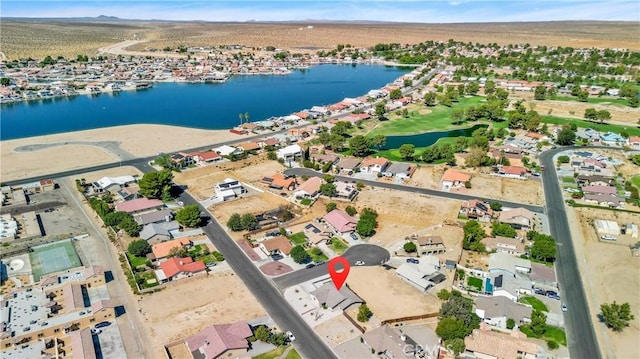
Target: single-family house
[604,200]
[203,158]
[606,190]
[423,275]
[161,250]
[506,263]
[610,138]
[328,296]
[634,142]
[348,165]
[215,341]
[346,190]
[518,218]
[386,342]
[324,158]
[501,244]
[176,268]
[158,232]
[506,285]
[290,153]
[452,179]
[476,209]
[513,172]
[543,276]
[280,181]
[309,188]
[486,344]
[496,310]
[374,165]
[593,180]
[107,183]
[226,150]
[249,146]
[228,189]
[163,215]
[128,193]
[340,221]
[431,245]
[399,170]
[276,245]
[181,159]
[139,205]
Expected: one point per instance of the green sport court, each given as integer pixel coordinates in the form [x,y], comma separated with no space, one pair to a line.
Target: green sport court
[53,257]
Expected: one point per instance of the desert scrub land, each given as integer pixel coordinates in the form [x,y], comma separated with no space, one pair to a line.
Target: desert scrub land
[40,38]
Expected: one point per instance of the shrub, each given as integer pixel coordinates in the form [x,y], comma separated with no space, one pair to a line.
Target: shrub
[410,247]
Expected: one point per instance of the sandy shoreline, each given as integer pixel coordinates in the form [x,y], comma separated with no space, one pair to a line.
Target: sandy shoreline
[33,156]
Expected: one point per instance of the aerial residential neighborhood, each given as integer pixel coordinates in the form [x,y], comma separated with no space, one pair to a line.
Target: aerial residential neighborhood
[363,186]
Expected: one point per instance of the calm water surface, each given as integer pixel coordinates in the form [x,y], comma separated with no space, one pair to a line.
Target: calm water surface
[205,106]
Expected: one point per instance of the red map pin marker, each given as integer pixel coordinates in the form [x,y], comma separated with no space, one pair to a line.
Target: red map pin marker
[340,277]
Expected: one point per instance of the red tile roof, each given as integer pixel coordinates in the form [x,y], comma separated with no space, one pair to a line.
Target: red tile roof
[452,175]
[514,170]
[174,266]
[280,243]
[380,161]
[139,204]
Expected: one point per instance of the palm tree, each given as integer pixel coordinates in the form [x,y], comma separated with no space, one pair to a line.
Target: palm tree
[240,116]
[246,116]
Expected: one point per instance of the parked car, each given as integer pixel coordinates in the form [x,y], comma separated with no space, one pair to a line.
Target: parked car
[564,307]
[359,263]
[211,264]
[553,295]
[290,336]
[102,325]
[607,237]
[276,257]
[354,236]
[413,260]
[319,263]
[310,265]
[540,291]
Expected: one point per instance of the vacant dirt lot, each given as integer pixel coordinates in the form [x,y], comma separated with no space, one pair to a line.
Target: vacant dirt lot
[483,185]
[41,38]
[187,306]
[611,273]
[388,296]
[401,214]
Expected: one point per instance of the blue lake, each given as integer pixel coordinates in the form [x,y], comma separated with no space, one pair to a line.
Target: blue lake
[429,138]
[205,106]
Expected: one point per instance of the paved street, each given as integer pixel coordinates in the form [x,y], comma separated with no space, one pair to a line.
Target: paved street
[370,254]
[581,338]
[411,189]
[307,341]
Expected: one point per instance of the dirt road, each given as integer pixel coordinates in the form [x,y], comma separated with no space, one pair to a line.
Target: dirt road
[121,49]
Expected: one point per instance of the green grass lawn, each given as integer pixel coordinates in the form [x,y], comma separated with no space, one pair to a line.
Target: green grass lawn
[613,101]
[551,333]
[277,352]
[568,180]
[438,119]
[535,303]
[631,130]
[338,245]
[298,238]
[306,201]
[475,282]
[317,255]
[636,181]
[136,261]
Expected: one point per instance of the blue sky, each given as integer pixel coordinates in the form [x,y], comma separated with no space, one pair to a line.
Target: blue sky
[434,11]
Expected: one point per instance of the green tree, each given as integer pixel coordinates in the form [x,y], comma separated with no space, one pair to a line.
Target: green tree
[472,88]
[462,309]
[367,222]
[330,206]
[235,222]
[5,81]
[538,322]
[139,248]
[352,211]
[444,294]
[395,94]
[543,248]
[616,316]
[489,88]
[407,151]
[430,98]
[359,145]
[378,141]
[511,323]
[583,96]
[496,206]
[299,255]
[503,229]
[364,314]
[473,235]
[249,221]
[540,92]
[156,184]
[328,189]
[603,115]
[566,136]
[634,102]
[129,225]
[451,328]
[113,219]
[456,345]
[628,91]
[410,247]
[457,116]
[262,333]
[189,216]
[380,109]
[590,114]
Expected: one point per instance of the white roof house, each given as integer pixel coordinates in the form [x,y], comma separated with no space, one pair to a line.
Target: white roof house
[225,150]
[506,262]
[106,182]
[606,227]
[289,152]
[423,275]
